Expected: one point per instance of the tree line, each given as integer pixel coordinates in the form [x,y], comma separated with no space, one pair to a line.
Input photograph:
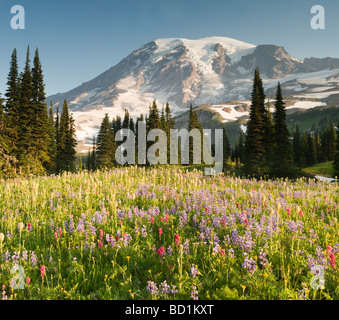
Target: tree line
[266,149]
[32,140]
[105,144]
[35,140]
[269,149]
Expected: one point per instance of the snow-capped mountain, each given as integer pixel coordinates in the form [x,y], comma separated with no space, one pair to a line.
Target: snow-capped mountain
[213,70]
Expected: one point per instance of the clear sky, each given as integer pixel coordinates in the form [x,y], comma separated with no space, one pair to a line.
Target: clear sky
[79,39]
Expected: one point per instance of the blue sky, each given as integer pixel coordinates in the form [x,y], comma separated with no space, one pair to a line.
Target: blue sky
[79,39]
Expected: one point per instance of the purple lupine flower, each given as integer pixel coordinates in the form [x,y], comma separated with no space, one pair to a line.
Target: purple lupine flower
[169,250]
[7,256]
[186,247]
[174,289]
[34,258]
[262,257]
[152,287]
[80,226]
[143,232]
[24,255]
[231,253]
[194,293]
[15,258]
[194,271]
[249,264]
[165,288]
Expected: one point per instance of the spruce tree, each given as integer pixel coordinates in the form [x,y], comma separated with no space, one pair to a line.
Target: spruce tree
[153,117]
[126,121]
[282,160]
[40,126]
[52,141]
[312,150]
[254,149]
[26,120]
[89,161]
[105,145]
[12,105]
[66,154]
[153,122]
[94,156]
[7,161]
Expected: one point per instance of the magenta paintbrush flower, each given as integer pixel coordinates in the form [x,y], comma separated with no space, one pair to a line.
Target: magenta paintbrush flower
[43,271]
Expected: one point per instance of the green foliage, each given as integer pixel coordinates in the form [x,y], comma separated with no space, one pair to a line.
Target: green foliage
[255,145]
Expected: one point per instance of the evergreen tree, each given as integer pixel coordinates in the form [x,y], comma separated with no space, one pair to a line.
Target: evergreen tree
[153,122]
[318,147]
[131,124]
[40,126]
[235,155]
[116,124]
[153,117]
[12,105]
[312,150]
[26,120]
[125,123]
[105,145]
[66,154]
[89,161]
[94,156]
[52,141]
[254,149]
[7,161]
[282,158]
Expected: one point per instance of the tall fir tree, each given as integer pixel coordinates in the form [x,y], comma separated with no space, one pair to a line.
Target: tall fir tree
[26,120]
[12,105]
[7,161]
[94,155]
[52,141]
[125,123]
[40,126]
[254,149]
[66,153]
[282,160]
[153,122]
[106,145]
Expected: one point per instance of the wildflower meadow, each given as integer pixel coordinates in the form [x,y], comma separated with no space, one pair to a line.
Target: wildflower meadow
[165,233]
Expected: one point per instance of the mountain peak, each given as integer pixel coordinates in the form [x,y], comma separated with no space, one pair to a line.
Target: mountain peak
[210,70]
